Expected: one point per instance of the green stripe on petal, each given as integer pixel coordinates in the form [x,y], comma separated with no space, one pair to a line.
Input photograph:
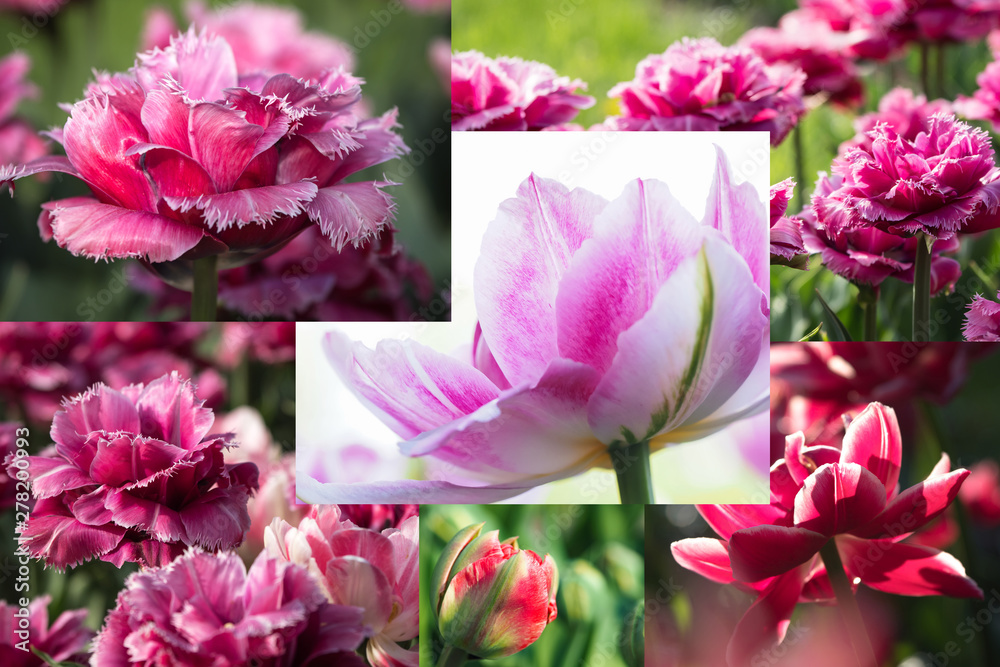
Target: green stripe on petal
[444,568]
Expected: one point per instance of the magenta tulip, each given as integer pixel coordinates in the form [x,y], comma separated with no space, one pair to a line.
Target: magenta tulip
[698,84]
[357,567]
[135,476]
[786,235]
[510,94]
[65,640]
[981,492]
[985,102]
[188,157]
[567,366]
[982,320]
[207,606]
[870,25]
[907,114]
[819,495]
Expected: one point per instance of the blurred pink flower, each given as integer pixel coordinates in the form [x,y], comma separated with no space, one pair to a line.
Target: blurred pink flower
[209,607]
[565,365]
[41,362]
[276,496]
[266,342]
[982,320]
[870,25]
[698,84]
[18,140]
[358,567]
[8,445]
[48,7]
[940,183]
[786,235]
[807,42]
[981,492]
[907,114]
[931,21]
[187,157]
[439,54]
[379,517]
[428,5]
[818,494]
[985,102]
[135,476]
[266,39]
[868,255]
[510,94]
[64,641]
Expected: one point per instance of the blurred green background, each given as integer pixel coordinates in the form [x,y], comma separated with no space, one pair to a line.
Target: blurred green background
[40,281]
[598,551]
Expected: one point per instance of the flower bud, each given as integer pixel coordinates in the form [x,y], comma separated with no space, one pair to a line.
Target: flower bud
[492,599]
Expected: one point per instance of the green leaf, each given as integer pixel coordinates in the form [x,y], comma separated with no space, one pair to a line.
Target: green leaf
[837,330]
[808,336]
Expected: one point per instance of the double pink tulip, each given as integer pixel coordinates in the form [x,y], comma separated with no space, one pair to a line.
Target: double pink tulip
[820,493]
[600,324]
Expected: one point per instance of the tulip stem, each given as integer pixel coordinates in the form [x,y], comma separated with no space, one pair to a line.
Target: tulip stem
[452,657]
[925,69]
[205,295]
[922,288]
[848,605]
[868,300]
[635,482]
[800,167]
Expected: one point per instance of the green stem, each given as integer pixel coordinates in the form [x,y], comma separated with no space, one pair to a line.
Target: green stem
[205,295]
[800,167]
[868,300]
[939,78]
[452,657]
[635,482]
[848,605]
[925,69]
[922,288]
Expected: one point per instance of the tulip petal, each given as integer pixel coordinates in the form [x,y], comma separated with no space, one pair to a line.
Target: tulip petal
[170,411]
[354,582]
[705,556]
[202,63]
[251,205]
[351,212]
[383,652]
[223,141]
[51,476]
[103,231]
[767,551]
[838,498]
[64,542]
[738,212]
[444,569]
[411,387]
[906,569]
[688,355]
[873,441]
[122,460]
[765,623]
[216,519]
[102,405]
[132,511]
[166,115]
[727,519]
[526,251]
[915,507]
[639,241]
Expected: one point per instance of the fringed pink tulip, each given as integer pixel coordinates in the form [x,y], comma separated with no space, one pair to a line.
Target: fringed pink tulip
[511,94]
[819,496]
[18,141]
[64,641]
[187,157]
[698,84]
[358,567]
[870,25]
[567,367]
[135,477]
[907,114]
[985,102]
[940,183]
[982,320]
[210,607]
[981,492]
[786,235]
[867,256]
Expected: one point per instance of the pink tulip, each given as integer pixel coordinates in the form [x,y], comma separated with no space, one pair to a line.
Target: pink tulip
[357,567]
[698,84]
[379,517]
[187,157]
[439,55]
[492,599]
[510,94]
[18,141]
[868,255]
[907,114]
[982,320]
[949,20]
[804,41]
[135,476]
[786,235]
[566,363]
[940,183]
[65,640]
[265,39]
[48,7]
[871,25]
[818,494]
[981,492]
[985,102]
[9,433]
[265,342]
[209,607]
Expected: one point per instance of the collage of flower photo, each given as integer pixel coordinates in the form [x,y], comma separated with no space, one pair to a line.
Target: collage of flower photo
[263,405]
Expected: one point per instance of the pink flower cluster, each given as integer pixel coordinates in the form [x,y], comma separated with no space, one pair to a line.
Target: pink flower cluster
[510,94]
[187,156]
[698,84]
[18,141]
[786,236]
[65,640]
[869,25]
[135,476]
